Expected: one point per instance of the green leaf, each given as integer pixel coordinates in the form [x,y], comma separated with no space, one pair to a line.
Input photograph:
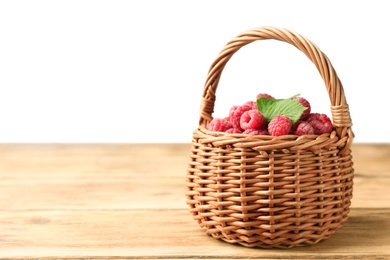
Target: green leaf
[286,107]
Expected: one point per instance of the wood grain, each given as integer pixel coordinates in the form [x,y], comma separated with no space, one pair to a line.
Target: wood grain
[126,201]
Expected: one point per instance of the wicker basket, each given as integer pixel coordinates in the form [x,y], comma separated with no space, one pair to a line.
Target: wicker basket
[271,192]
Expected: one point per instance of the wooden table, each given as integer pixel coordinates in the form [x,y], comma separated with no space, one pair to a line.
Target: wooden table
[126,201]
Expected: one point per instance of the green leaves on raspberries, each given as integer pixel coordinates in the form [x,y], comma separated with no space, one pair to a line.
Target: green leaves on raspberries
[286,107]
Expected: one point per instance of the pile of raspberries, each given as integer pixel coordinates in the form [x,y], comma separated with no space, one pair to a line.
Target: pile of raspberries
[247,119]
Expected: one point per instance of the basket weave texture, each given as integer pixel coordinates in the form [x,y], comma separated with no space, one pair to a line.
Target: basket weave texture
[265,191]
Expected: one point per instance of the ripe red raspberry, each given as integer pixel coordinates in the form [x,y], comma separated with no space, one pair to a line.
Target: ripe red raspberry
[235,114]
[264,95]
[256,132]
[294,126]
[219,124]
[251,104]
[252,119]
[304,128]
[320,122]
[306,104]
[279,125]
[233,131]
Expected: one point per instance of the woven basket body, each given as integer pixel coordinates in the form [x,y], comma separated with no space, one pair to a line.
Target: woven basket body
[265,191]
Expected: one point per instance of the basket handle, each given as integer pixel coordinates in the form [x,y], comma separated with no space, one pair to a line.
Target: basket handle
[339,107]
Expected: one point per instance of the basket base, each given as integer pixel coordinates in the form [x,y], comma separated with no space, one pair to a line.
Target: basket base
[268,244]
[280,239]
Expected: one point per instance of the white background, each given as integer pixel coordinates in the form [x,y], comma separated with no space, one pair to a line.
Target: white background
[133,71]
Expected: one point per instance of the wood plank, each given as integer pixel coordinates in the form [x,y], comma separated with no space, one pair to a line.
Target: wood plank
[371,160]
[169,234]
[372,175]
[92,176]
[25,161]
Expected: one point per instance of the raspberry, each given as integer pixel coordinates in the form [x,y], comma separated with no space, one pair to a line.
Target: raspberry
[233,131]
[294,126]
[252,119]
[304,128]
[279,125]
[251,104]
[256,132]
[264,95]
[219,124]
[320,122]
[235,114]
[306,104]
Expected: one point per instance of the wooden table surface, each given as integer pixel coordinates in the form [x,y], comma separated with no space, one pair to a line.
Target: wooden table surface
[126,201]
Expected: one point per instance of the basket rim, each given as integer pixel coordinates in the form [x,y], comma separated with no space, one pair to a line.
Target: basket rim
[291,142]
